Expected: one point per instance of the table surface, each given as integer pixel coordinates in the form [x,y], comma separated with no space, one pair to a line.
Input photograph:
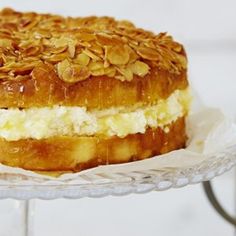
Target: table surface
[212,59]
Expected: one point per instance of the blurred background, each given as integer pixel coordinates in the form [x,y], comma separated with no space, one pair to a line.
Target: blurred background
[208,31]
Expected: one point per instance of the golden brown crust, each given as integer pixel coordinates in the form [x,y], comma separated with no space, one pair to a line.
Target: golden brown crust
[76,57]
[46,89]
[78,153]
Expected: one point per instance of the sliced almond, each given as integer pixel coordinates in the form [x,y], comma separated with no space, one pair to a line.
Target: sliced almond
[91,55]
[5,43]
[72,73]
[139,68]
[82,59]
[148,53]
[118,55]
[126,73]
[110,71]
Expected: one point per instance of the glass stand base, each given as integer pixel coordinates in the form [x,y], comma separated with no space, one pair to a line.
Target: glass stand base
[28,214]
[17,217]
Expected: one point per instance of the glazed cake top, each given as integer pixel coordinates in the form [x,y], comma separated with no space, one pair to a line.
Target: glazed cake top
[81,47]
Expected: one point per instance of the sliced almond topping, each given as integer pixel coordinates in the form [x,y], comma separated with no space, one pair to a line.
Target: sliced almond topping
[148,53]
[108,40]
[125,24]
[72,73]
[64,41]
[110,71]
[82,59]
[133,56]
[91,55]
[83,46]
[53,50]
[98,72]
[32,51]
[182,61]
[118,55]
[176,47]
[96,68]
[96,65]
[5,43]
[139,68]
[87,37]
[55,58]
[71,49]
[24,67]
[126,72]
[120,77]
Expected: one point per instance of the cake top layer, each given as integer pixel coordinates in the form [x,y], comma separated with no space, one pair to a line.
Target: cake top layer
[82,47]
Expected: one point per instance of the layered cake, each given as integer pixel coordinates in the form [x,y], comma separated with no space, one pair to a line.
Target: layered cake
[80,92]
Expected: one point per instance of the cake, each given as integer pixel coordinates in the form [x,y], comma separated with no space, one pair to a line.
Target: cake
[77,93]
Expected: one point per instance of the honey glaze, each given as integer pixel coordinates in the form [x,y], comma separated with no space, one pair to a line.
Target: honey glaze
[44,88]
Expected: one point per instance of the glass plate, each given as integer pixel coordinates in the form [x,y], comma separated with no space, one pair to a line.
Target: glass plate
[91,185]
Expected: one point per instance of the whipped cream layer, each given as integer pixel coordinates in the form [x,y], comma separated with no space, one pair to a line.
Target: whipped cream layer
[40,123]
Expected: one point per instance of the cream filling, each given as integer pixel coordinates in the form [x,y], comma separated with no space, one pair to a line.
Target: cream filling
[39,123]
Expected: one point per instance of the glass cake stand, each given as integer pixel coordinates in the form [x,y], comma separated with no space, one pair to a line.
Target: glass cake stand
[24,188]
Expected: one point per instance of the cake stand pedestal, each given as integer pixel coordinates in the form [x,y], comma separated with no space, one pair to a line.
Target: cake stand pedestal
[28,217]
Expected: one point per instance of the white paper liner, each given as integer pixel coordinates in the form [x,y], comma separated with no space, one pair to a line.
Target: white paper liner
[209,131]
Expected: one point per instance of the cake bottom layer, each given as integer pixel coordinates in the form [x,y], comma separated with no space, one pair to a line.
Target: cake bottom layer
[79,153]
